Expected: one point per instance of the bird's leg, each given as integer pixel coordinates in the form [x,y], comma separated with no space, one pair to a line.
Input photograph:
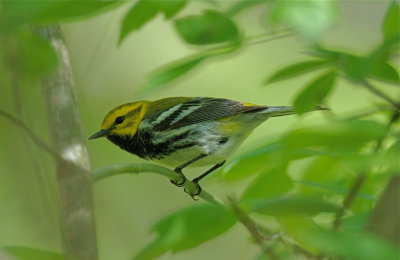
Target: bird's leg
[178,170]
[197,179]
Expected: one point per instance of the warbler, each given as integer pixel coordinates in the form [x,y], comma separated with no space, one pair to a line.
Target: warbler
[185,131]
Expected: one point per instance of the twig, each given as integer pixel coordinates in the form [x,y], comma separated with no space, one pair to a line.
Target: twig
[137,168]
[348,200]
[360,179]
[112,170]
[277,37]
[252,228]
[370,112]
[36,139]
[299,250]
[380,94]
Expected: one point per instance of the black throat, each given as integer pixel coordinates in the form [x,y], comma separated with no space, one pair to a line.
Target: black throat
[135,145]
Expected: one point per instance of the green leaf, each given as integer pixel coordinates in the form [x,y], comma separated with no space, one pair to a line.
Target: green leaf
[30,55]
[358,68]
[299,227]
[354,246]
[141,13]
[339,136]
[209,28]
[175,70]
[297,69]
[171,72]
[269,184]
[390,158]
[390,26]
[16,13]
[335,189]
[293,204]
[26,253]
[356,223]
[385,72]
[322,171]
[145,10]
[314,93]
[171,8]
[264,158]
[187,228]
[250,163]
[310,18]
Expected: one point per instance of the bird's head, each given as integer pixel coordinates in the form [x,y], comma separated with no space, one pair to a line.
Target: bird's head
[123,120]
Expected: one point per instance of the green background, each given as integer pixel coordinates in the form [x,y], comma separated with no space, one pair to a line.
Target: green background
[107,75]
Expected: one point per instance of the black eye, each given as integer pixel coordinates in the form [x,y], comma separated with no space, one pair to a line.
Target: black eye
[119,119]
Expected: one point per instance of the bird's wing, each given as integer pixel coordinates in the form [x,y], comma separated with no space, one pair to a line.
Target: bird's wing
[202,109]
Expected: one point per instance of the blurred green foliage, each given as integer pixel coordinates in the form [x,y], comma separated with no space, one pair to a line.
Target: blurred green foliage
[209,28]
[25,253]
[303,205]
[200,223]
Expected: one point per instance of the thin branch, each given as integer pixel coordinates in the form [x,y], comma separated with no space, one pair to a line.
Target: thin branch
[380,94]
[360,179]
[370,112]
[36,139]
[137,168]
[252,228]
[348,200]
[299,250]
[269,39]
[112,170]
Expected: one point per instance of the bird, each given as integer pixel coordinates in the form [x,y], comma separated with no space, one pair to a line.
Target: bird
[182,132]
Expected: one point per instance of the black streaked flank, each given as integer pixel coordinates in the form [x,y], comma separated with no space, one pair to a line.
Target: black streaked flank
[223,140]
[141,144]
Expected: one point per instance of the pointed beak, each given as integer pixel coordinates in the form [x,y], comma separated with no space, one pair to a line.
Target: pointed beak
[101,133]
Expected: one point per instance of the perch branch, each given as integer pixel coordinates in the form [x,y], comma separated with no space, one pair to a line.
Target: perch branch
[113,170]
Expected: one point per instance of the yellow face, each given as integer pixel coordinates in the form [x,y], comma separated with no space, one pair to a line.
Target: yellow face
[123,120]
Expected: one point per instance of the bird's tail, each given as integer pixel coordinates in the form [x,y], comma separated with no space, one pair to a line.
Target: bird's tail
[275,111]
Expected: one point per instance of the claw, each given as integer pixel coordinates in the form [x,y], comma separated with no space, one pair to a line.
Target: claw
[183,180]
[198,190]
[179,184]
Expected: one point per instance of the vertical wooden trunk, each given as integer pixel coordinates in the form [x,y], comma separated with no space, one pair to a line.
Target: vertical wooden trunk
[73,173]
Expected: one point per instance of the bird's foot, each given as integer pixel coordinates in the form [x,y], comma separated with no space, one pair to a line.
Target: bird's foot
[182,178]
[194,190]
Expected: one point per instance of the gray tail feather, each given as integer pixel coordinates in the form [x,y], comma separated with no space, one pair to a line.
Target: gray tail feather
[275,111]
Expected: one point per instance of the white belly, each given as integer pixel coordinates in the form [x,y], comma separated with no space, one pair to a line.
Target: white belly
[208,137]
[219,153]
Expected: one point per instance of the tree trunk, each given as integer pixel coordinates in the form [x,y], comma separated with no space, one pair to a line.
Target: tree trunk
[73,172]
